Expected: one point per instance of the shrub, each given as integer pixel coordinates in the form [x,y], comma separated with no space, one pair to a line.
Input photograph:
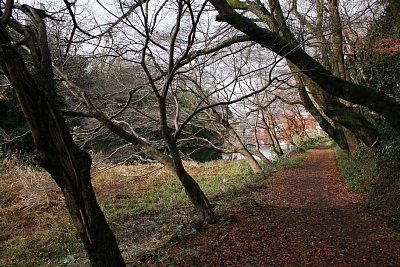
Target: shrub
[375,173]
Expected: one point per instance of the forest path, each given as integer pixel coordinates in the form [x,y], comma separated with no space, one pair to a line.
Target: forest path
[306,217]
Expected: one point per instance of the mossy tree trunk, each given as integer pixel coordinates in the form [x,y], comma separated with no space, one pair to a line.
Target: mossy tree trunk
[343,115]
[336,134]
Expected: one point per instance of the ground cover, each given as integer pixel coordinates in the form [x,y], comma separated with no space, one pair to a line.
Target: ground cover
[302,213]
[306,216]
[145,206]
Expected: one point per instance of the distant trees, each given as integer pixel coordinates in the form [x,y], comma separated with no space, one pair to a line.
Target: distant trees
[323,83]
[14,133]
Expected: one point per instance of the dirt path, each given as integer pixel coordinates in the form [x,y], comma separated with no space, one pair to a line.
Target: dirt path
[307,217]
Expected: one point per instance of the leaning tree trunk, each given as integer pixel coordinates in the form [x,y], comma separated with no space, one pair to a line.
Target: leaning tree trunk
[368,97]
[262,157]
[192,188]
[174,165]
[269,124]
[193,191]
[241,148]
[255,167]
[56,151]
[341,115]
[336,134]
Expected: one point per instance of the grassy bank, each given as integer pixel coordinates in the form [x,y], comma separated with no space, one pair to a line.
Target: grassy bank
[145,206]
[374,173]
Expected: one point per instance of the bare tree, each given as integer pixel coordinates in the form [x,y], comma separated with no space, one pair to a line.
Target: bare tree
[278,39]
[160,56]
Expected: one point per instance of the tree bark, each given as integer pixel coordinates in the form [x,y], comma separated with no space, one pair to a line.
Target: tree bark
[338,68]
[336,134]
[56,151]
[342,115]
[193,190]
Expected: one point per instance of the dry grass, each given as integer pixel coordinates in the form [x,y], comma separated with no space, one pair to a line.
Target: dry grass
[32,213]
[145,205]
[25,191]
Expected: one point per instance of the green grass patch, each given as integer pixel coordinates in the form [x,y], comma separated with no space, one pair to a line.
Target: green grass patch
[374,173]
[46,247]
[215,178]
[146,202]
[356,170]
[286,162]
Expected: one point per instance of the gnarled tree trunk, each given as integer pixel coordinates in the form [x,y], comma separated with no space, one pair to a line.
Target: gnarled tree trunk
[56,151]
[192,189]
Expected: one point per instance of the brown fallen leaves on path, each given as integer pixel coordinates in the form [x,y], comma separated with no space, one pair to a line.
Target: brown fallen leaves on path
[306,217]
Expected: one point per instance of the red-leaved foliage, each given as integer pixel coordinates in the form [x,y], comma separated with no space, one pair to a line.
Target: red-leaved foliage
[387,45]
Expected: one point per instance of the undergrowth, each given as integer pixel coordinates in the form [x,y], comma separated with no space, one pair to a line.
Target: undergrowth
[145,206]
[375,174]
[358,169]
[308,143]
